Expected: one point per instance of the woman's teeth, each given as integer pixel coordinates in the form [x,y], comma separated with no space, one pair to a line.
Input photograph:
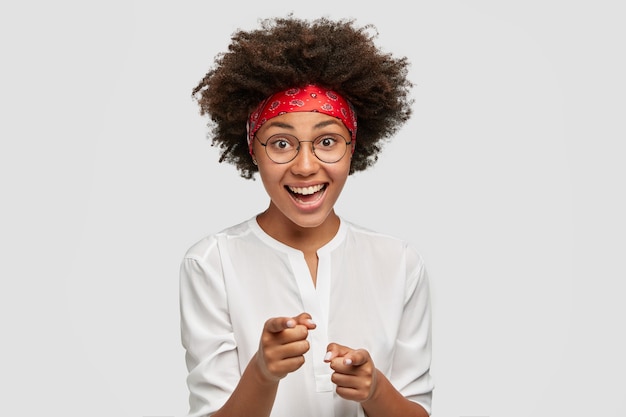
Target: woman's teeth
[306,190]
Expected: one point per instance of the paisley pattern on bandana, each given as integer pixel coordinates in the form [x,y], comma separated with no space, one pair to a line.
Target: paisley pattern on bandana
[310,98]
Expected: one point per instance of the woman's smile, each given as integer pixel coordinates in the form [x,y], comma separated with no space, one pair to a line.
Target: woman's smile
[307,195]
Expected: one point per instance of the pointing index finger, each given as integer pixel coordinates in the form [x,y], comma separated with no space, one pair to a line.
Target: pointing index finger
[278,324]
[355,358]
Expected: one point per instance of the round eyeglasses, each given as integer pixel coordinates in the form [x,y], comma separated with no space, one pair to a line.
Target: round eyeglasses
[282,147]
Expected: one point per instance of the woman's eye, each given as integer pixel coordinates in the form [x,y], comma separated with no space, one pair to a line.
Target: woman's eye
[281,144]
[327,142]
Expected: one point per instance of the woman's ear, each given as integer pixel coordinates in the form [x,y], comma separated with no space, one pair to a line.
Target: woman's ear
[251,150]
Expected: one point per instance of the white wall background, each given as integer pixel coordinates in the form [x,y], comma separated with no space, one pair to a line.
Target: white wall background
[510,180]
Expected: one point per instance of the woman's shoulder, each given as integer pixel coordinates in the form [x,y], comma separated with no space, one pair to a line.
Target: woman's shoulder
[365,234]
[203,247]
[364,239]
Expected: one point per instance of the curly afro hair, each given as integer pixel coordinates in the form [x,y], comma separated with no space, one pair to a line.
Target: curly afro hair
[291,52]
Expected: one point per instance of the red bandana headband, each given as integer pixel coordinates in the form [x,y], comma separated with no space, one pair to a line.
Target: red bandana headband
[310,98]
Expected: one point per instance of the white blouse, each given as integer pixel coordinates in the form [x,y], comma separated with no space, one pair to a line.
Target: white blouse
[372,293]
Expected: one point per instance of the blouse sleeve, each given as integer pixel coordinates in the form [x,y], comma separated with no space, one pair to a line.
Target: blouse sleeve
[206,332]
[412,359]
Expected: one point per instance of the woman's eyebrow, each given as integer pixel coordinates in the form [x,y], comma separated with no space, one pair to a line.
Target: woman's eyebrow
[327,123]
[279,124]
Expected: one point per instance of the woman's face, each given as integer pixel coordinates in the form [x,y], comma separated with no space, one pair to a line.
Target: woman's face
[304,190]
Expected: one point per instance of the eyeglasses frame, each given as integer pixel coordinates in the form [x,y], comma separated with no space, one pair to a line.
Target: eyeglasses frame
[348,143]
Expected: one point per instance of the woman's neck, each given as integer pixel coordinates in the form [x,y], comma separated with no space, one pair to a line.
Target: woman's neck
[307,239]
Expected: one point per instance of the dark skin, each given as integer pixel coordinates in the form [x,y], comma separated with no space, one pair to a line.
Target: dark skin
[281,348]
[357,379]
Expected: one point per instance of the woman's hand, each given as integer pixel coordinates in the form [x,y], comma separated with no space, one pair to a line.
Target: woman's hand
[282,346]
[355,374]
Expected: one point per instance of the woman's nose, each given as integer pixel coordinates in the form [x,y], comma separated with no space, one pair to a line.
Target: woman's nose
[305,162]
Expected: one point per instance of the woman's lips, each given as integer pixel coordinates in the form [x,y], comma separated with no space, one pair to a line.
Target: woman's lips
[307,195]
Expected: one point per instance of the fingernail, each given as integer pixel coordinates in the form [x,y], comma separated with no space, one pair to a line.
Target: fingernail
[348,362]
[328,356]
[310,321]
[291,323]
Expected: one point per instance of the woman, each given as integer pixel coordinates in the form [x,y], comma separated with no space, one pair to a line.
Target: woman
[297,312]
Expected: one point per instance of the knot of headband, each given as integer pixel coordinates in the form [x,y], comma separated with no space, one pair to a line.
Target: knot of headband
[309,98]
